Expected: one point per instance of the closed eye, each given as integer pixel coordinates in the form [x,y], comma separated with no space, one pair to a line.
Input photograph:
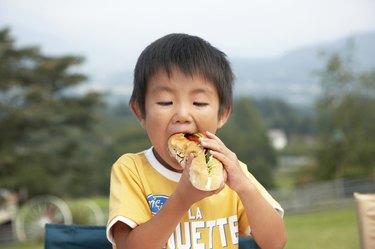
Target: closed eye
[165,103]
[200,104]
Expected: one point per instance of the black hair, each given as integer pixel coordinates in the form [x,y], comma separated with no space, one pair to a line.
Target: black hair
[192,56]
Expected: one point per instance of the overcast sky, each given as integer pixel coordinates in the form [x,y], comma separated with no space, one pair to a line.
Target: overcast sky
[111,34]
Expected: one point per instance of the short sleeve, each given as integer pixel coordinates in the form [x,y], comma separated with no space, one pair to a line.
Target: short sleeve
[127,202]
[243,221]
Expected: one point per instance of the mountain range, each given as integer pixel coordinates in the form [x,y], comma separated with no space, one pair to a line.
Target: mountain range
[292,77]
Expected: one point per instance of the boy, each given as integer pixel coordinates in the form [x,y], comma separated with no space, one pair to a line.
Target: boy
[183,84]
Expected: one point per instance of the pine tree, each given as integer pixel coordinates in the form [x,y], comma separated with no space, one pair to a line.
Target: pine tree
[42,119]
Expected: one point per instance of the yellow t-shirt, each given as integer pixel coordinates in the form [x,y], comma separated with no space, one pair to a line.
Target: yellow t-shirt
[140,186]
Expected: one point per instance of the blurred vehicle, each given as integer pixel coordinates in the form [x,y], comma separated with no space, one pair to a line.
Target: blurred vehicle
[25,220]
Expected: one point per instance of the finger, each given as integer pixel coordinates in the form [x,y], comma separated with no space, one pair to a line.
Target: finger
[211,135]
[225,175]
[189,161]
[220,156]
[212,144]
[186,172]
[214,137]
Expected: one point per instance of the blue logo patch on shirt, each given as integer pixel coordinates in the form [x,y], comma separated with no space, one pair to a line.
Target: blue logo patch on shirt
[156,202]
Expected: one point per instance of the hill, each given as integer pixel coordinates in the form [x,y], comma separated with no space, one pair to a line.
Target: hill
[291,77]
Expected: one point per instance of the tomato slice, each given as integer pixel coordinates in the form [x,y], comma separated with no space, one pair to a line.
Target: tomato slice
[193,137]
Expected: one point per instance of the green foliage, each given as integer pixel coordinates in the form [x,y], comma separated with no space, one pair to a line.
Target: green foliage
[245,134]
[346,119]
[54,141]
[278,114]
[42,123]
[120,133]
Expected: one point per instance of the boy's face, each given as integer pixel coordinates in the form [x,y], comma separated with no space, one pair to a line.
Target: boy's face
[179,103]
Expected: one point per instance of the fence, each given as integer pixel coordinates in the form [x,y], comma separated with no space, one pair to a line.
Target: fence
[323,195]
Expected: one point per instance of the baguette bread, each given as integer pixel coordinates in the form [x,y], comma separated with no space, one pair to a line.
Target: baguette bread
[206,172]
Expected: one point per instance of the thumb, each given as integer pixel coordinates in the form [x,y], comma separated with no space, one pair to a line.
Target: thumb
[189,161]
[186,172]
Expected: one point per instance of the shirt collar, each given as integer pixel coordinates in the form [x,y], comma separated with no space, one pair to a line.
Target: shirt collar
[171,175]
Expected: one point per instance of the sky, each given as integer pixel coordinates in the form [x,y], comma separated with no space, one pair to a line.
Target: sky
[111,34]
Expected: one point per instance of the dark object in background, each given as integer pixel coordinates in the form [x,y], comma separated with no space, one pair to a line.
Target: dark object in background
[94,237]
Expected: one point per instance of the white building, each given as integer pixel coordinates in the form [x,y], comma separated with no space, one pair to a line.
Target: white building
[278,138]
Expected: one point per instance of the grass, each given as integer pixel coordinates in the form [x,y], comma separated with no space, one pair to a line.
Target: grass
[332,229]
[285,179]
[24,246]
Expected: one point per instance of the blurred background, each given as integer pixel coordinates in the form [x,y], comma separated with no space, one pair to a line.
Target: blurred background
[303,119]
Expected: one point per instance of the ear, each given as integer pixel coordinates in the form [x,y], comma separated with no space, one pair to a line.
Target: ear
[224,117]
[137,112]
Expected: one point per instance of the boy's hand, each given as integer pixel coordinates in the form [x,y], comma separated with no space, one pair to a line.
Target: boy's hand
[188,193]
[236,178]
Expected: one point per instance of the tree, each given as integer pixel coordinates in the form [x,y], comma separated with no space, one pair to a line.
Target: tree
[43,121]
[278,114]
[246,135]
[346,120]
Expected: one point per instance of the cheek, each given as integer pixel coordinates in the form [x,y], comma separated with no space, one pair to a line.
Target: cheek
[155,127]
[208,123]
[155,120]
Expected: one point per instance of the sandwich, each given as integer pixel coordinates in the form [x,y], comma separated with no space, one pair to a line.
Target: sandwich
[206,172]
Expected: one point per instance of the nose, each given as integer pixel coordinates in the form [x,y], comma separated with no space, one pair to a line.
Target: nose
[182,114]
